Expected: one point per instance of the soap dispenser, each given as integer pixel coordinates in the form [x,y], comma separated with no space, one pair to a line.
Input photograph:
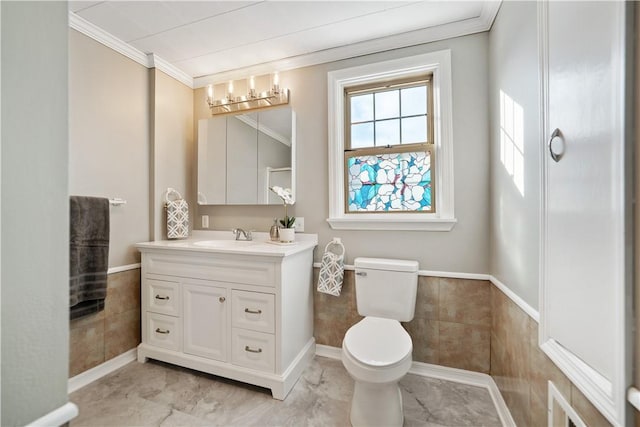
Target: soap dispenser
[274,234]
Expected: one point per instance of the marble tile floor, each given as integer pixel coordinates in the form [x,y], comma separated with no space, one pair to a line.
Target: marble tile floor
[159,394]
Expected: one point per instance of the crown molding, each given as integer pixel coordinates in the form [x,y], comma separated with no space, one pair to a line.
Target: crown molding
[481,23]
[489,12]
[412,38]
[147,60]
[101,36]
[169,69]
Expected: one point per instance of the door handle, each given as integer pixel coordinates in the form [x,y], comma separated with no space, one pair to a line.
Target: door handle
[555,156]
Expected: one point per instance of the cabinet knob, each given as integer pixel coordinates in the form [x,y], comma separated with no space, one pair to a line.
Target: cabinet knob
[222,299]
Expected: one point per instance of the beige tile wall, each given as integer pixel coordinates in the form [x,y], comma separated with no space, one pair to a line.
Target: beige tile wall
[96,338]
[469,324]
[451,327]
[521,370]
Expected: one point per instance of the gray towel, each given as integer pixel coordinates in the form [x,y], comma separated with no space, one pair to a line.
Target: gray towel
[88,254]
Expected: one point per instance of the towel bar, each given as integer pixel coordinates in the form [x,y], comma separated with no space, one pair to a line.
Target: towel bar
[117,201]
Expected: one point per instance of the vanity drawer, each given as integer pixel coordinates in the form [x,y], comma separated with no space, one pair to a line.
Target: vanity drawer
[255,350]
[163,297]
[253,310]
[164,331]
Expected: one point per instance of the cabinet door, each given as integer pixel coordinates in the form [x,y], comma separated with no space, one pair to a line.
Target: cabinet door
[205,321]
[583,258]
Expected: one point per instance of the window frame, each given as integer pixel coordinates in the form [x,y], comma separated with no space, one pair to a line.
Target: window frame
[427,146]
[438,64]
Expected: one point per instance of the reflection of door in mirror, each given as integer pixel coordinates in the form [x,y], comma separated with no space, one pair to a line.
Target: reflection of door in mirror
[241,156]
[274,153]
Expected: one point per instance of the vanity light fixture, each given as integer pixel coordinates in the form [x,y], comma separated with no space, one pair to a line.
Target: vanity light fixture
[252,100]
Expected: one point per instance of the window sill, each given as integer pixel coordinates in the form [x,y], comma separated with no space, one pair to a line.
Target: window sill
[399,224]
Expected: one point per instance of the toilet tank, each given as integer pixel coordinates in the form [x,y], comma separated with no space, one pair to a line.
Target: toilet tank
[386,287]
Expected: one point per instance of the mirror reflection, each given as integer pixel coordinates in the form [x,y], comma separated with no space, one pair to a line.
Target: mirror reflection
[241,156]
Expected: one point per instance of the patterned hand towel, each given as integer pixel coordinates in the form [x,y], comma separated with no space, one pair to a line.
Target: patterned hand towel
[332,270]
[88,254]
[177,215]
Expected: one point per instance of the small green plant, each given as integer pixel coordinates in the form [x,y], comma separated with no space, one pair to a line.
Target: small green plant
[288,221]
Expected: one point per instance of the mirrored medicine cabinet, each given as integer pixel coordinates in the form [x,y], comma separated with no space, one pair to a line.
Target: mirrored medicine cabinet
[241,156]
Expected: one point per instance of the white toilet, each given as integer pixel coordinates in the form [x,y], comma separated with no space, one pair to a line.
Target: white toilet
[377,350]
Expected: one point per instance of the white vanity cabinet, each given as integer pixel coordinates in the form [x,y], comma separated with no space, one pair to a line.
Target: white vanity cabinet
[244,314]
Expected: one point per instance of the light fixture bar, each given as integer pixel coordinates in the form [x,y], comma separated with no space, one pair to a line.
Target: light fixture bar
[253,100]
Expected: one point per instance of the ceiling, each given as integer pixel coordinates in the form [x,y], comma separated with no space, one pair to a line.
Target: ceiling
[215,40]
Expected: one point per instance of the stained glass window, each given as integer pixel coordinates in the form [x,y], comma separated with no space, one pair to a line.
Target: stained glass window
[389,154]
[394,182]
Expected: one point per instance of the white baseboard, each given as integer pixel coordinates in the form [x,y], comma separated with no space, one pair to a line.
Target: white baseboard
[448,374]
[469,378]
[93,374]
[328,351]
[57,417]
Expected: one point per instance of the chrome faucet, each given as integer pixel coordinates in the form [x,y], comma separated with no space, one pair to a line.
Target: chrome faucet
[247,234]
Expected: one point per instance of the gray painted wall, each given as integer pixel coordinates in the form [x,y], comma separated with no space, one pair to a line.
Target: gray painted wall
[465,248]
[35,210]
[109,139]
[514,70]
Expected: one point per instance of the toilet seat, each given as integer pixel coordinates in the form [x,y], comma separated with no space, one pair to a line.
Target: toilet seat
[378,342]
[377,350]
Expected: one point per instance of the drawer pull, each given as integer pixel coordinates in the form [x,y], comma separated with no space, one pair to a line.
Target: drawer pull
[248,310]
[162,298]
[162,331]
[251,350]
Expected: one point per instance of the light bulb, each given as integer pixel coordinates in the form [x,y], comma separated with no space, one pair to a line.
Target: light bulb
[252,87]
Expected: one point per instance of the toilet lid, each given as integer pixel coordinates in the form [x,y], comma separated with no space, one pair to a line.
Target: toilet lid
[378,342]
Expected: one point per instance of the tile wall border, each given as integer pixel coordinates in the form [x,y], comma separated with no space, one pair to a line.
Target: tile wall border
[122,268]
[531,312]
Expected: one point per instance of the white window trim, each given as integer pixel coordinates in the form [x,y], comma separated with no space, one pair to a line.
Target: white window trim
[438,63]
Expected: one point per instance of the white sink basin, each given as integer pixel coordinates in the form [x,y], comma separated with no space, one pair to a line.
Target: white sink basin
[224,243]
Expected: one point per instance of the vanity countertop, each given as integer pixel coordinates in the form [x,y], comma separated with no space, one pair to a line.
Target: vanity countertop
[223,242]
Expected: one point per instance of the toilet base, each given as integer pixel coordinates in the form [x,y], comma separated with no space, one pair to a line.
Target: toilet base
[375,404]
